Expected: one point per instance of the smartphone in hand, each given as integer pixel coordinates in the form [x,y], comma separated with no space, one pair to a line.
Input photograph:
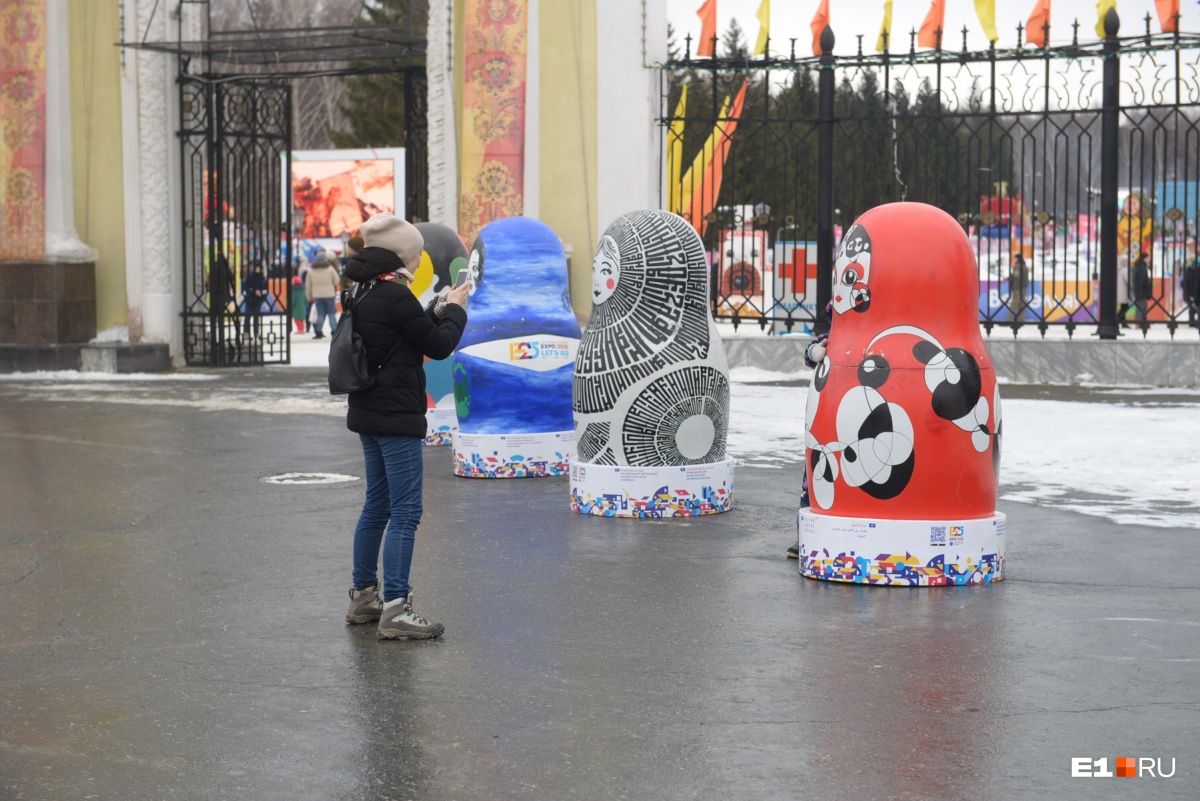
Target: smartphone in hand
[461,278]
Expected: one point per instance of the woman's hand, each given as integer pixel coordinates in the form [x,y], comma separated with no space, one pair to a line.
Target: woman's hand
[458,295]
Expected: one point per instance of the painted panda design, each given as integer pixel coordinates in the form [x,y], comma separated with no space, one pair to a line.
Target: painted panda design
[903,423]
[874,442]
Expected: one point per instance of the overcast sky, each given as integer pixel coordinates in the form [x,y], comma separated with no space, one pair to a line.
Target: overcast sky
[791,18]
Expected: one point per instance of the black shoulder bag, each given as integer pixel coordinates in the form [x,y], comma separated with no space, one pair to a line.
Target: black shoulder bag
[348,368]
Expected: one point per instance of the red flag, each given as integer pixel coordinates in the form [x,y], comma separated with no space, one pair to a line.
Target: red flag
[708,28]
[934,22]
[820,20]
[1168,12]
[1035,29]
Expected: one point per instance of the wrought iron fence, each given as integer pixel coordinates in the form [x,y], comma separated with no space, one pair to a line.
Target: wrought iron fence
[1063,164]
[235,137]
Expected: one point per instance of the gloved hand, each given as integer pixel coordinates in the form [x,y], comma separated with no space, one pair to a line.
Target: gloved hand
[815,352]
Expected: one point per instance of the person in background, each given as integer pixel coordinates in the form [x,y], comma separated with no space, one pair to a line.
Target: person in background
[221,284]
[1123,303]
[1018,285]
[353,245]
[299,306]
[302,267]
[254,294]
[321,287]
[389,418]
[1142,288]
[1190,284]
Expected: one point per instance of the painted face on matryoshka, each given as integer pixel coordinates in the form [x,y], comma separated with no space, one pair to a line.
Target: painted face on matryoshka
[475,266]
[606,270]
[852,272]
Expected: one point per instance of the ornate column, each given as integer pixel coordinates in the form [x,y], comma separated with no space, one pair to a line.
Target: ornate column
[47,276]
[153,220]
[62,241]
[439,71]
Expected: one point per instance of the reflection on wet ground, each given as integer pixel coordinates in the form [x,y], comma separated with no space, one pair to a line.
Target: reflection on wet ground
[171,627]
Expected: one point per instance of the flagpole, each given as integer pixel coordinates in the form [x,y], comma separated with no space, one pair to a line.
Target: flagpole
[825,198]
[1110,131]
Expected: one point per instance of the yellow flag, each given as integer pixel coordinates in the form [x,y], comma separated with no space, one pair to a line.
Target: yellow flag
[986,9]
[675,155]
[1102,8]
[695,173]
[764,27]
[886,28]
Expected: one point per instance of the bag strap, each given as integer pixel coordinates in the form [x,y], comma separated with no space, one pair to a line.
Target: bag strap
[347,307]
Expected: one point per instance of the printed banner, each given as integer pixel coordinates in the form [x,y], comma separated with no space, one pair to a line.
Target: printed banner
[441,423]
[540,352]
[336,191]
[512,455]
[492,185]
[22,129]
[652,492]
[912,553]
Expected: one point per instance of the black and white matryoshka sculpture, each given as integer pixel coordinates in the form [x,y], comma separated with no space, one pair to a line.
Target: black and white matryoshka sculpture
[651,389]
[903,422]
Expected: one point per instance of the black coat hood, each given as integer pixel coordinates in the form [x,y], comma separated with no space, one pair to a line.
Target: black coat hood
[370,262]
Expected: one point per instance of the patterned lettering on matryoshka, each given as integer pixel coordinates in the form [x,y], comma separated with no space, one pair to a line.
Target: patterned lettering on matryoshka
[650,385]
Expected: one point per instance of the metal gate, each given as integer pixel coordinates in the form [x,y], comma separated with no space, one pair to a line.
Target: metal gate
[416,145]
[235,138]
[1063,164]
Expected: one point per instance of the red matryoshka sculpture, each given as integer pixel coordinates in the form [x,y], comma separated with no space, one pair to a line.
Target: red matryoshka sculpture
[902,429]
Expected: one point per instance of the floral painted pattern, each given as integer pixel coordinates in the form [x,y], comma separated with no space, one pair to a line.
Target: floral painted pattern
[22,130]
[493,137]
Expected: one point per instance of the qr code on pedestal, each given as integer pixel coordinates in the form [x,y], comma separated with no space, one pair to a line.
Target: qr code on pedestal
[937,535]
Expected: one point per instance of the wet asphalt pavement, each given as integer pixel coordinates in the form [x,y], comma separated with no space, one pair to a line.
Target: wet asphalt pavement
[171,628]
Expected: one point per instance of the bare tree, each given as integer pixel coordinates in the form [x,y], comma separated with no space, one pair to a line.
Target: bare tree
[315,111]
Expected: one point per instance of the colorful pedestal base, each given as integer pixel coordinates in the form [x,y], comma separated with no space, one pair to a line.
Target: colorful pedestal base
[699,489]
[907,553]
[440,426]
[512,455]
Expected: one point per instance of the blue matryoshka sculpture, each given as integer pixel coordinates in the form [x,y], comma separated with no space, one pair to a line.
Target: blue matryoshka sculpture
[651,392]
[512,370]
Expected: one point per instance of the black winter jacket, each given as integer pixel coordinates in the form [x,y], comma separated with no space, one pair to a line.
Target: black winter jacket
[387,316]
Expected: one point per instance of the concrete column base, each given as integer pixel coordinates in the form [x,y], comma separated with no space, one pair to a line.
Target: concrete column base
[124,357]
[47,311]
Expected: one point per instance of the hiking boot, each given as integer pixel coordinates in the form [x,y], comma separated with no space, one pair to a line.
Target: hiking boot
[365,605]
[793,552]
[399,622]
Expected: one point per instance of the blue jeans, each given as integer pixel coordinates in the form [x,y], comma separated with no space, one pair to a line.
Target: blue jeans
[394,480]
[326,307]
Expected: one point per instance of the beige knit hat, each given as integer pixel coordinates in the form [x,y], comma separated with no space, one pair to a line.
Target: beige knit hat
[399,236]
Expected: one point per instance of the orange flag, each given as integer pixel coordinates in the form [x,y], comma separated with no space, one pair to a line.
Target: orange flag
[820,20]
[704,196]
[1168,11]
[708,28]
[934,22]
[1035,29]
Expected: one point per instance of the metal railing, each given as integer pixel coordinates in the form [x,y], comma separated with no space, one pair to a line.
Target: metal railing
[1074,158]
